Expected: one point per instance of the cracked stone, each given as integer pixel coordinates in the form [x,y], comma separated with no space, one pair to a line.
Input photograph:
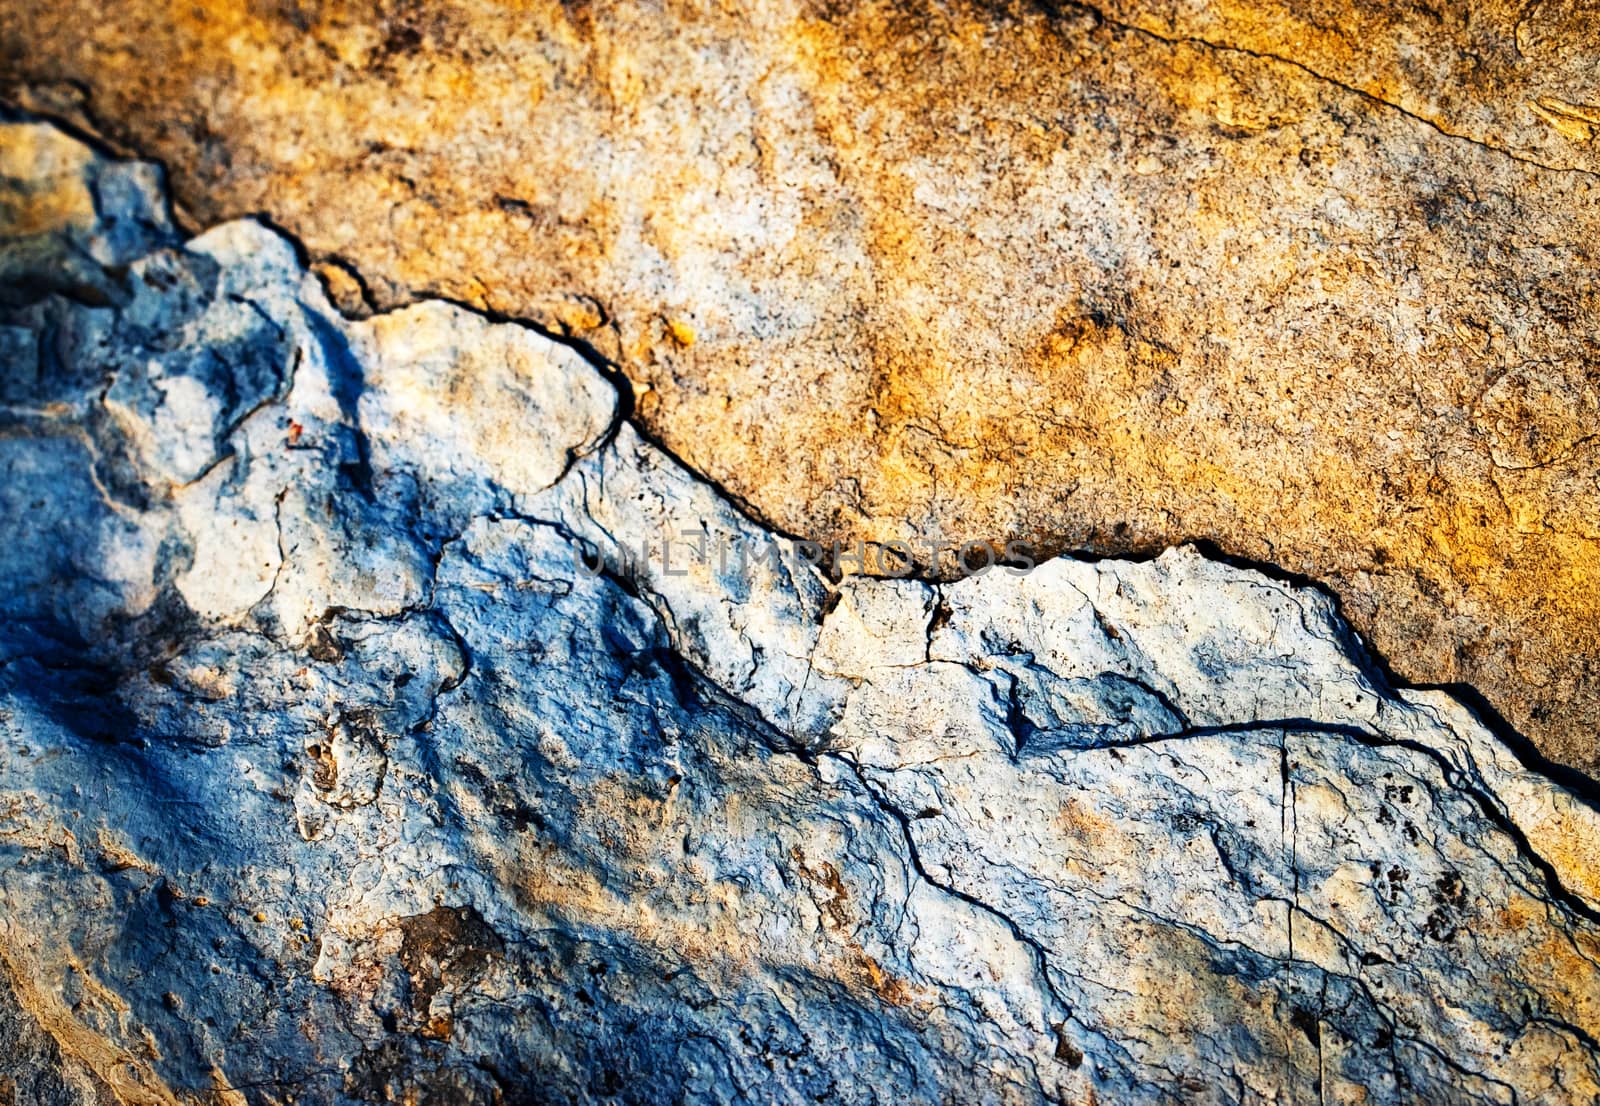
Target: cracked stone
[598,820]
[1312,286]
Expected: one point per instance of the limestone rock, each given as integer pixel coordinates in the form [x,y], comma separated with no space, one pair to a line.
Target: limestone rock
[1314,286]
[395,758]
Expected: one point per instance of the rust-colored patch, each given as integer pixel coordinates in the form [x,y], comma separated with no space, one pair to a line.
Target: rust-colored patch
[1085,825]
[823,874]
[444,949]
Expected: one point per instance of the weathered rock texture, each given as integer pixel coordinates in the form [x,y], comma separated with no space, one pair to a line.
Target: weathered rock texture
[353,750]
[1315,283]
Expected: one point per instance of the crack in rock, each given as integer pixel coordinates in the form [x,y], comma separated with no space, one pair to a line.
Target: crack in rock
[1308,282]
[373,741]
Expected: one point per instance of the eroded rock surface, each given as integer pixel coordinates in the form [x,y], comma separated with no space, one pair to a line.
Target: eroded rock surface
[354,753]
[1317,285]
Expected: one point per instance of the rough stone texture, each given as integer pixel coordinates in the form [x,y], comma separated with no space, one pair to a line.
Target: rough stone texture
[353,753]
[1315,285]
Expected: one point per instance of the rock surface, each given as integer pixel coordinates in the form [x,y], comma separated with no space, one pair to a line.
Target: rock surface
[1316,286]
[354,752]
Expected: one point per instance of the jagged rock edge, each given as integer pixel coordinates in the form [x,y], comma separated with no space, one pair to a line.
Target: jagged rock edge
[660,604]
